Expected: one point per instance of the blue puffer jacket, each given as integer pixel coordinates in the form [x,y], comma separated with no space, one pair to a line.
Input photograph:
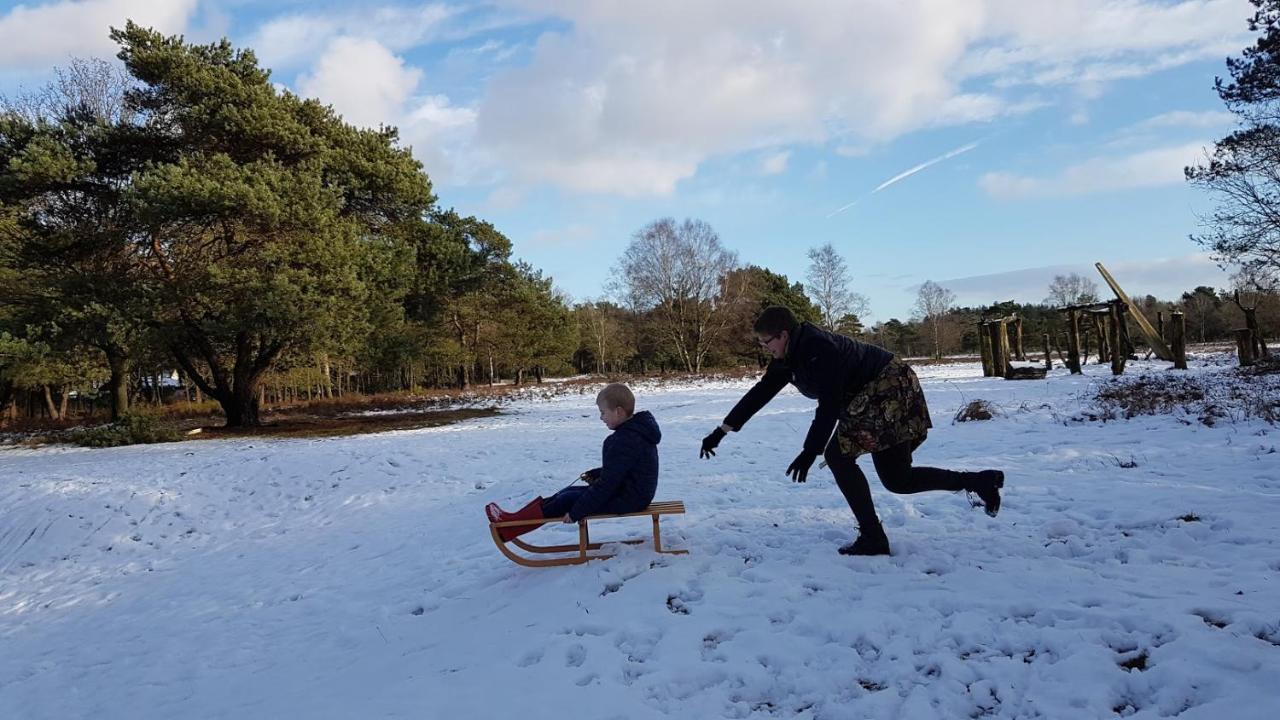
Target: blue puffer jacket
[628,472]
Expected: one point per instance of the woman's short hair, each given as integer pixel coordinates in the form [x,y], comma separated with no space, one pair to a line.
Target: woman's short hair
[774,320]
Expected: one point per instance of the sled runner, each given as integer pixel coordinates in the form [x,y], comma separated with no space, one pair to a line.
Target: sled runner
[583,549]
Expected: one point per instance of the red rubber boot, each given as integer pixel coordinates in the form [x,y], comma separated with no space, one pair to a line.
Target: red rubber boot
[532,511]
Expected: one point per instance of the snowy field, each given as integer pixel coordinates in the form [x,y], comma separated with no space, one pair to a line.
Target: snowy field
[1133,571]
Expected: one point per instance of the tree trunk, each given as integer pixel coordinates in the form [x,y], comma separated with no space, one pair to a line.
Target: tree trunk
[241,408]
[119,383]
[1258,347]
[66,397]
[6,398]
[1244,346]
[49,405]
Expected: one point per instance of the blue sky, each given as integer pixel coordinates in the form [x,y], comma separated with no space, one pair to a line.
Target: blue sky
[1059,127]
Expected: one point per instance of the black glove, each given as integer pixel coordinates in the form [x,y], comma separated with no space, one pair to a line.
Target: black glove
[799,468]
[589,477]
[710,442]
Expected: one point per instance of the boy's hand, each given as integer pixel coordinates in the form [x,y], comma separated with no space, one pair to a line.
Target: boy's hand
[589,477]
[566,519]
[799,468]
[710,442]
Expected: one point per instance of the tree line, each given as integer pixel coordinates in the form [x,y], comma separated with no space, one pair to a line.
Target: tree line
[185,216]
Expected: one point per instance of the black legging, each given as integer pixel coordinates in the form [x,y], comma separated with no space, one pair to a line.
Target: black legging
[893,465]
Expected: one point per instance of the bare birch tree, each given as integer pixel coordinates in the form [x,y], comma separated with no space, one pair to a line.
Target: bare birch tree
[91,84]
[829,282]
[679,272]
[1072,289]
[932,303]
[602,329]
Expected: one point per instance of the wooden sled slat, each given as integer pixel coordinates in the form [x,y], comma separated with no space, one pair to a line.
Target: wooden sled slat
[583,549]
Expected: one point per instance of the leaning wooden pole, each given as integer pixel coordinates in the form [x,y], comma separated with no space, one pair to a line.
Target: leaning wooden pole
[1153,338]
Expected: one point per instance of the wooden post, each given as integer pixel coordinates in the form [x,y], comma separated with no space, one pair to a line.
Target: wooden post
[984,347]
[1048,359]
[1244,346]
[1103,334]
[1160,324]
[1073,342]
[1006,352]
[1017,329]
[999,358]
[1116,340]
[1178,339]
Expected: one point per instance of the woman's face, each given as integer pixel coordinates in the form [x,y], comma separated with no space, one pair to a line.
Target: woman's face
[775,344]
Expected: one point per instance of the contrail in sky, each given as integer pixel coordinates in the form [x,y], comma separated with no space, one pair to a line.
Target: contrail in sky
[908,173]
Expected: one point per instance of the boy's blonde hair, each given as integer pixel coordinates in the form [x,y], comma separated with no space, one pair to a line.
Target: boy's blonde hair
[617,395]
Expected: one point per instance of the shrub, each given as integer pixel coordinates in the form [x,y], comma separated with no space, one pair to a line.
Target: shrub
[128,430]
[976,410]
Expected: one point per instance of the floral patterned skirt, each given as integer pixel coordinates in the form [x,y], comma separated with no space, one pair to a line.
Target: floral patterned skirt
[888,411]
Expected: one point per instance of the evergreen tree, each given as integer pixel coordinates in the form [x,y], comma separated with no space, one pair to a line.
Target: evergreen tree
[257,215]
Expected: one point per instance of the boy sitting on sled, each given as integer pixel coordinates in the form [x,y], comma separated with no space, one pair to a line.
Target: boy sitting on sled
[625,482]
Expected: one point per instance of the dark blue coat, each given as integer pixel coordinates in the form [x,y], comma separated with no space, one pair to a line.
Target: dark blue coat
[628,472]
[824,366]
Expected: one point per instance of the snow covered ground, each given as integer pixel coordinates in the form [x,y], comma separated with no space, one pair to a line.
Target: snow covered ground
[1134,571]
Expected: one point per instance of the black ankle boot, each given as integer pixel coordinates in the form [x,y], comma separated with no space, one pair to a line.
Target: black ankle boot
[987,488]
[868,543]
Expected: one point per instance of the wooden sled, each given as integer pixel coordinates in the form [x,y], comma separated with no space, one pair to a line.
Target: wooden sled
[585,546]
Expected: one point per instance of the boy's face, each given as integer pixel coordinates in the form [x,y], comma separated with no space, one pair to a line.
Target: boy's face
[611,417]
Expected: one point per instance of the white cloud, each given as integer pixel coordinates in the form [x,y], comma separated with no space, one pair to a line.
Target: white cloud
[290,40]
[370,86]
[775,163]
[1165,278]
[1188,119]
[634,97]
[37,36]
[1149,168]
[363,81]
[1097,41]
